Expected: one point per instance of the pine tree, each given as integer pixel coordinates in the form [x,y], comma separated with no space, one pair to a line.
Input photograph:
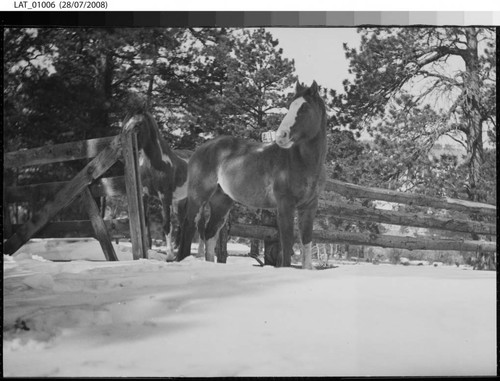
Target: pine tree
[412,86]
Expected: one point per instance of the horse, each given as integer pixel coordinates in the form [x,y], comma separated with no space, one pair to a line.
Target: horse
[287,174]
[163,172]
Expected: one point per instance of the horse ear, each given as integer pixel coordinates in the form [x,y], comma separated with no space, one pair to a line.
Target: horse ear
[314,88]
[298,86]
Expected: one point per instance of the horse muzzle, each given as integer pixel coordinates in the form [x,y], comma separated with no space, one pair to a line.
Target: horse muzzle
[283,139]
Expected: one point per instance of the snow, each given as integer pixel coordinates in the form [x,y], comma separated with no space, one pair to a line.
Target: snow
[88,317]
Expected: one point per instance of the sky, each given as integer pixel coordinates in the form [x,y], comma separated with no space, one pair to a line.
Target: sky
[318,53]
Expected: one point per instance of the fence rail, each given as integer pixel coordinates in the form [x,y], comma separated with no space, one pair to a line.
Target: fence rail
[119,228]
[115,186]
[358,212]
[357,191]
[83,149]
[268,233]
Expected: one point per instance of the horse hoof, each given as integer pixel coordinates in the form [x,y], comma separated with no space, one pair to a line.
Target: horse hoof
[170,257]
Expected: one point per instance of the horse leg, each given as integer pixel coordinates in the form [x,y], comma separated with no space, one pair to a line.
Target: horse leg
[165,212]
[201,248]
[286,211]
[220,205]
[201,186]
[306,220]
[180,207]
[201,224]
[193,217]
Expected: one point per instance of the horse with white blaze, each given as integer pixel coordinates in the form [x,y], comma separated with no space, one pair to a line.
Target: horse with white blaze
[287,175]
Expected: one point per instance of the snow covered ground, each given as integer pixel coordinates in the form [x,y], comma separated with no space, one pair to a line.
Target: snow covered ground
[151,318]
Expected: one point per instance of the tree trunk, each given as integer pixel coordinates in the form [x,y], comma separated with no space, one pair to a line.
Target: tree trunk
[103,206]
[474,121]
[271,252]
[152,74]
[103,84]
[473,114]
[221,246]
[105,87]
[271,247]
[254,247]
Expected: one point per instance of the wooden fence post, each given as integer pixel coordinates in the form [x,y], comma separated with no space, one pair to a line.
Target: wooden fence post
[101,233]
[144,236]
[138,232]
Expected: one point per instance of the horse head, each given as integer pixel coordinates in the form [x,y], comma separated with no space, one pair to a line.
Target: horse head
[304,118]
[143,123]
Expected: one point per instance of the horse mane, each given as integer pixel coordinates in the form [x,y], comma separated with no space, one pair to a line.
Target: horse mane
[149,138]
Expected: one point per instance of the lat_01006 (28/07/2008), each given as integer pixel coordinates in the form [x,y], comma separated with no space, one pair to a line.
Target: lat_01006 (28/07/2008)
[65,4]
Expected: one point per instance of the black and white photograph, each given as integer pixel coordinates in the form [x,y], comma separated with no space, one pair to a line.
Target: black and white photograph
[264,201]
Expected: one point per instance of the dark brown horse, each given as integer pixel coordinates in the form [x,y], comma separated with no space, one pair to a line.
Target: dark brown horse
[163,172]
[286,175]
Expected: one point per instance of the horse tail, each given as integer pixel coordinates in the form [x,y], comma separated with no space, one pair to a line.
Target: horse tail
[202,184]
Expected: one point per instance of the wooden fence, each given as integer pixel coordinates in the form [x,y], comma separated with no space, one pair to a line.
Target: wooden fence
[357,211]
[86,185]
[106,151]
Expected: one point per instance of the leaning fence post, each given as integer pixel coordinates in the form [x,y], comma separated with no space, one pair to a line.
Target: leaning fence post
[100,231]
[133,187]
[93,170]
